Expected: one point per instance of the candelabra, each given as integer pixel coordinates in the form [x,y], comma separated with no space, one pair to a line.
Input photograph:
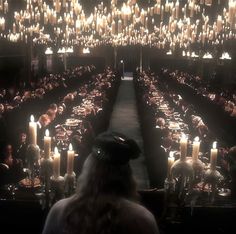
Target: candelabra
[198,168]
[70,183]
[212,177]
[46,170]
[169,185]
[33,156]
[57,188]
[182,172]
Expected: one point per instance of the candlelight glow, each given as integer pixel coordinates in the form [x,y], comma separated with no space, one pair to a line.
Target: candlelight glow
[207,56]
[183,136]
[214,145]
[162,24]
[48,51]
[70,147]
[171,154]
[31,118]
[47,133]
[225,55]
[196,139]
[86,51]
[56,150]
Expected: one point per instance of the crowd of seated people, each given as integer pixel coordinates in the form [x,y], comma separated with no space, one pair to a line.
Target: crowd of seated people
[165,115]
[222,96]
[35,98]
[12,98]
[11,168]
[87,114]
[75,118]
[216,103]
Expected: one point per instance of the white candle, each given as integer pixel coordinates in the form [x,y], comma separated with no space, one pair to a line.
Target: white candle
[183,147]
[162,12]
[158,9]
[14,28]
[136,10]
[32,131]
[191,8]
[231,12]
[171,161]
[56,163]
[64,3]
[70,160]
[208,2]
[177,9]
[213,159]
[47,144]
[113,26]
[119,26]
[219,23]
[196,146]
[5,7]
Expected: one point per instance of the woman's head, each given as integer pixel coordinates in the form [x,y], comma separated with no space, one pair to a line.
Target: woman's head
[106,170]
[1,108]
[44,120]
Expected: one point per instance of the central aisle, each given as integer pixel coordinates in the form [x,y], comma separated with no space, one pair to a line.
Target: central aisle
[124,119]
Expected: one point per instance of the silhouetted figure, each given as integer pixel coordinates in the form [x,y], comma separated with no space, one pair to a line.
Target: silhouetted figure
[13,172]
[106,200]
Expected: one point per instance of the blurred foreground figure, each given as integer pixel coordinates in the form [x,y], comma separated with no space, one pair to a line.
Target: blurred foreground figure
[106,199]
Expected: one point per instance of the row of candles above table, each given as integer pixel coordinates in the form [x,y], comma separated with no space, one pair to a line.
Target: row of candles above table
[71,154]
[47,149]
[195,153]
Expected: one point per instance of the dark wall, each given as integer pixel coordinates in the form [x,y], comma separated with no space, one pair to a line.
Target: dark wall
[12,62]
[130,55]
[99,62]
[221,71]
[11,68]
[15,61]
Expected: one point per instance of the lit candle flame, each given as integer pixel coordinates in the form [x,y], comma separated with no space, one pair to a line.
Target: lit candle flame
[32,118]
[214,145]
[183,136]
[196,139]
[70,147]
[47,133]
[171,154]
[56,150]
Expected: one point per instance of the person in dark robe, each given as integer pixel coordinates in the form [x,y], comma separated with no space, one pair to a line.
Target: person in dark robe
[106,200]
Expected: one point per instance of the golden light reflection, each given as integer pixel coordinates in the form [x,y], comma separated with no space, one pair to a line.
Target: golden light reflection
[163,24]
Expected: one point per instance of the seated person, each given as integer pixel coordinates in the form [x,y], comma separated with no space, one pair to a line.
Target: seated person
[53,107]
[106,200]
[13,167]
[51,114]
[232,170]
[160,123]
[43,124]
[43,121]
[22,148]
[199,126]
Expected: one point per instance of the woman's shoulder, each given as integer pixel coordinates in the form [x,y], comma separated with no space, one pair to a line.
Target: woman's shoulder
[56,216]
[136,210]
[138,217]
[63,203]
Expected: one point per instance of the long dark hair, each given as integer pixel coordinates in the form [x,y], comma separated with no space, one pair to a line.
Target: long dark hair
[95,207]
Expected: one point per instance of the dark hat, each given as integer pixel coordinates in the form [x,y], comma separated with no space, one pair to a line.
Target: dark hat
[115,148]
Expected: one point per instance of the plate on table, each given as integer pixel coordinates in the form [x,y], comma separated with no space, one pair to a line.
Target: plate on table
[174,126]
[29,184]
[72,122]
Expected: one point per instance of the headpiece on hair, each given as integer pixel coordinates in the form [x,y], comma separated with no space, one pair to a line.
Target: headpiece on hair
[115,148]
